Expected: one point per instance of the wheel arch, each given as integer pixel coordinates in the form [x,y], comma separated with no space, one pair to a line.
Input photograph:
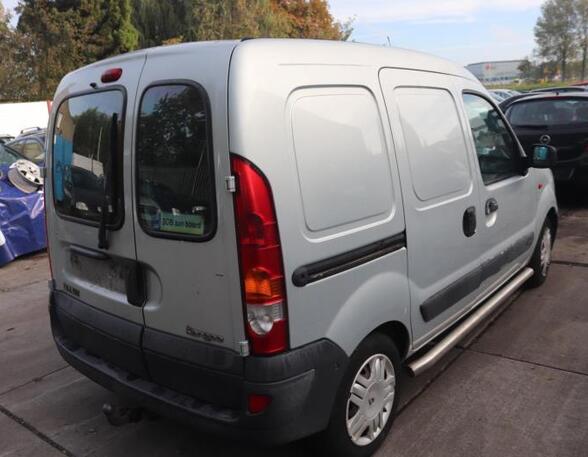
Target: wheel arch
[399,334]
[554,219]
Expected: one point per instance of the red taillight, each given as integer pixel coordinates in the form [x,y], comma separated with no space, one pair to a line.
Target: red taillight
[260,259]
[257,403]
[111,75]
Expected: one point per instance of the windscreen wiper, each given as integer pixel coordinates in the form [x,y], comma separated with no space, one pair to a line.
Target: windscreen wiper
[108,174]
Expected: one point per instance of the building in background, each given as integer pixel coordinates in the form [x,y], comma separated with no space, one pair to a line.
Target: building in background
[498,72]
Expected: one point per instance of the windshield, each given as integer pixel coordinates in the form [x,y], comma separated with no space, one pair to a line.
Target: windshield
[549,112]
[7,155]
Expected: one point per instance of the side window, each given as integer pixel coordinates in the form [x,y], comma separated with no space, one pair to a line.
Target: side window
[496,148]
[17,146]
[435,142]
[175,179]
[33,150]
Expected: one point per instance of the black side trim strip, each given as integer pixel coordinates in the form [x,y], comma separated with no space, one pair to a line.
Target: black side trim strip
[493,265]
[453,293]
[328,267]
[450,295]
[86,252]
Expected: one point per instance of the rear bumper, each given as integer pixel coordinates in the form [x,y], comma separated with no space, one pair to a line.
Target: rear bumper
[211,394]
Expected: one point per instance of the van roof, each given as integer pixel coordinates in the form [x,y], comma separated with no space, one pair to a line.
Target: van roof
[312,52]
[329,52]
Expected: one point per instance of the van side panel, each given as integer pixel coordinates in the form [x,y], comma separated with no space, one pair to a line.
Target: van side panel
[316,132]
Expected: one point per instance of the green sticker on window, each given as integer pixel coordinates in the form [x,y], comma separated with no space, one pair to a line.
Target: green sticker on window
[189,224]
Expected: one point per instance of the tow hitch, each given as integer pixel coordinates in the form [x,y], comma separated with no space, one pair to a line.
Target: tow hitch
[122,414]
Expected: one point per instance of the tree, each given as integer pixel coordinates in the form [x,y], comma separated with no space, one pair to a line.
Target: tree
[195,20]
[63,35]
[555,33]
[312,19]
[52,48]
[230,19]
[581,8]
[160,22]
[106,28]
[527,69]
[13,70]
[54,37]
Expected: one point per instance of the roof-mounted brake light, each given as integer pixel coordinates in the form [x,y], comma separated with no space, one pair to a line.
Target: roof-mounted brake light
[111,75]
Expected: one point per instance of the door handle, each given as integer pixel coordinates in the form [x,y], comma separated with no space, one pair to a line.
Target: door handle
[469,221]
[135,284]
[491,206]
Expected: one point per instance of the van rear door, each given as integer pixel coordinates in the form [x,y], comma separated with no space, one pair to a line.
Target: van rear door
[91,231]
[185,231]
[90,217]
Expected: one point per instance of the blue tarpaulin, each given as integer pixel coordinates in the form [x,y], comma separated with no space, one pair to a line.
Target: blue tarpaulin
[22,220]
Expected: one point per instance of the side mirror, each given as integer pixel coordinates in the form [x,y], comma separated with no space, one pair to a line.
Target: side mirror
[544,156]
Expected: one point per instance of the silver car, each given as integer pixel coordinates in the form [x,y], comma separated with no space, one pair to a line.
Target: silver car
[257,237]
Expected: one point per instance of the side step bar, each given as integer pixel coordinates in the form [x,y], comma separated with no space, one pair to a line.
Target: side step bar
[429,359]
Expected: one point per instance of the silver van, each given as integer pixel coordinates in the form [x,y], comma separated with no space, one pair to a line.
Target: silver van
[260,237]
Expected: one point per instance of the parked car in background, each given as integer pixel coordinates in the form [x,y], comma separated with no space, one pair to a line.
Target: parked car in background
[5,138]
[7,155]
[559,120]
[505,93]
[560,89]
[31,145]
[498,95]
[503,105]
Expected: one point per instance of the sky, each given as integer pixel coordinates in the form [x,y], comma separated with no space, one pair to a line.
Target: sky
[465,31]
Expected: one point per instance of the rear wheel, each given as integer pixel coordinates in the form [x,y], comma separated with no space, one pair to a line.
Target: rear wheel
[366,402]
[541,260]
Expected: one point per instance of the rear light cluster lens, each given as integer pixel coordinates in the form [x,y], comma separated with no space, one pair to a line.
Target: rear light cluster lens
[260,259]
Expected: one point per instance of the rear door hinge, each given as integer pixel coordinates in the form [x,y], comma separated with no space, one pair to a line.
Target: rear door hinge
[230,184]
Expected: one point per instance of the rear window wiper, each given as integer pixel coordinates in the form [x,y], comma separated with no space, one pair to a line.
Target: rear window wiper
[108,175]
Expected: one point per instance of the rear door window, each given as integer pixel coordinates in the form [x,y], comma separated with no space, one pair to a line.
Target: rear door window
[87,157]
[176,197]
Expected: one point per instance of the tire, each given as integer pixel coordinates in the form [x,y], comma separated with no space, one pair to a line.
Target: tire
[541,259]
[376,350]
